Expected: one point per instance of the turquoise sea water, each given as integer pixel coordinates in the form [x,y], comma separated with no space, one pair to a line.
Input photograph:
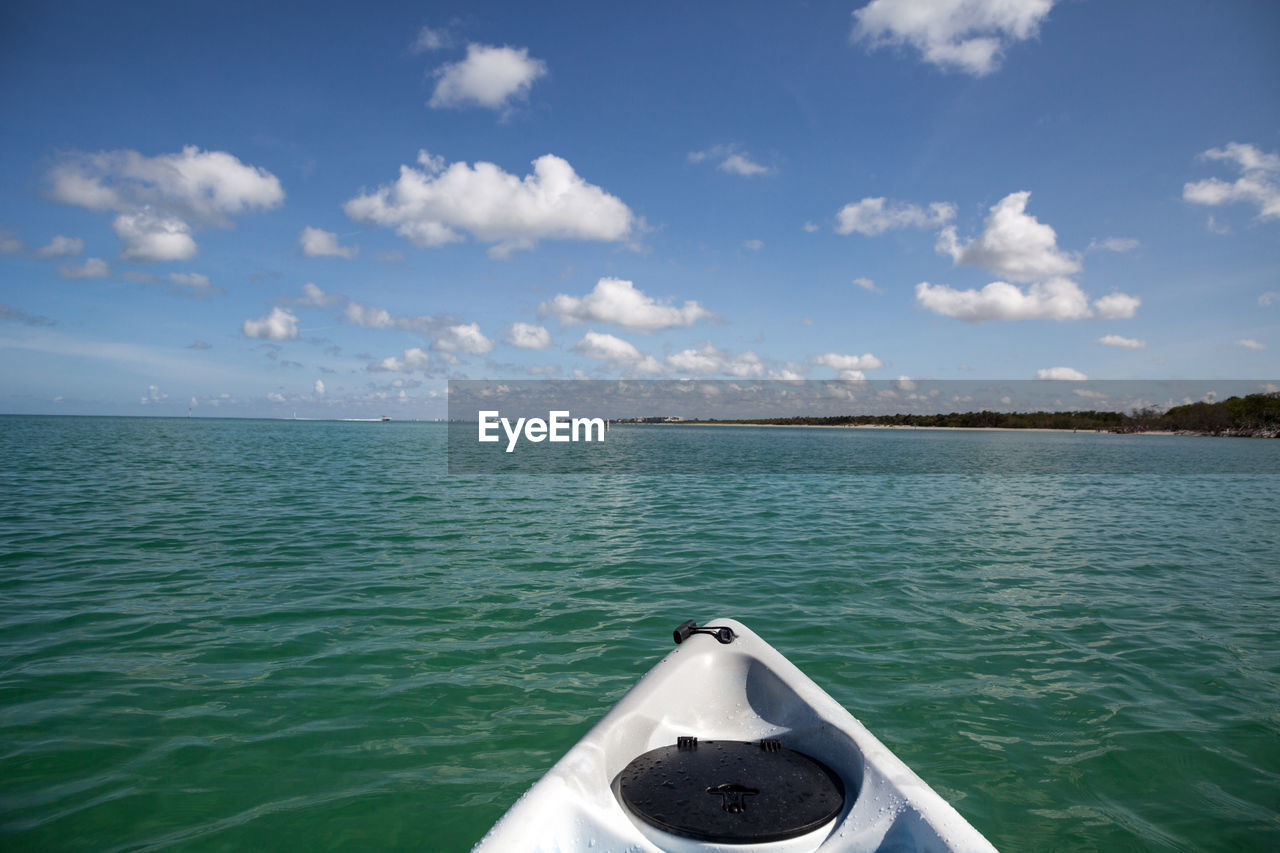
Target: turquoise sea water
[275,635]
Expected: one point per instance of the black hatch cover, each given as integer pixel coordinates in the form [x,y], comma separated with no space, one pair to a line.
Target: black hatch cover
[731,792]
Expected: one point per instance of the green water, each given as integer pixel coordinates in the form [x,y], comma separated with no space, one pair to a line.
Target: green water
[257,635]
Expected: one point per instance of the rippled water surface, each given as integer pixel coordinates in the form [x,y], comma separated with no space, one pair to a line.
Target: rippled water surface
[275,635]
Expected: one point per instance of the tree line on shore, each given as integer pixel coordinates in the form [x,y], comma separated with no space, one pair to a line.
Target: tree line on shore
[1252,415]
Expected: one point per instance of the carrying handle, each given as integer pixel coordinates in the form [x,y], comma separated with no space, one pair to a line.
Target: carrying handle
[687,629]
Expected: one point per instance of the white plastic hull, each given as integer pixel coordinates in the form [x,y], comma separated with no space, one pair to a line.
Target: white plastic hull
[747,691]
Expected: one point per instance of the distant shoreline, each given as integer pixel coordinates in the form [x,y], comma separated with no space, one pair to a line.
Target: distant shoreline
[1251,416]
[1154,432]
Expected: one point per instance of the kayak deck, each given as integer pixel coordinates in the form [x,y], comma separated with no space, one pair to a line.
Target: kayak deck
[744,690]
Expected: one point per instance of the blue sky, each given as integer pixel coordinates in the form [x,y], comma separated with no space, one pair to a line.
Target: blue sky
[252,209]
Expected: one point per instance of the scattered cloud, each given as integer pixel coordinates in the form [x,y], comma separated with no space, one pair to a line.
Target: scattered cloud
[874,216]
[448,336]
[462,338]
[1065,373]
[490,77]
[616,301]
[1251,345]
[709,360]
[372,317]
[190,284]
[849,366]
[866,284]
[91,268]
[61,247]
[1013,244]
[616,351]
[1121,342]
[528,336]
[10,244]
[1113,244]
[700,361]
[430,206]
[753,245]
[147,237]
[413,359]
[1089,393]
[1215,227]
[198,344]
[1266,300]
[278,325]
[193,284]
[1117,306]
[319,388]
[955,35]
[157,198]
[316,243]
[1023,249]
[1056,299]
[1258,184]
[431,39]
[153,395]
[8,313]
[812,227]
[731,159]
[314,297]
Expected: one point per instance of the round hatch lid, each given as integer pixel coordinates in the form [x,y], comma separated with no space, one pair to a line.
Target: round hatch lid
[731,792]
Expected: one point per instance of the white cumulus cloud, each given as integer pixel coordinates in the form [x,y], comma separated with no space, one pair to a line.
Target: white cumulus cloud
[709,360]
[849,366]
[462,338]
[1117,306]
[1258,184]
[616,301]
[1021,248]
[1065,373]
[1056,299]
[619,353]
[489,77]
[278,325]
[148,237]
[961,35]
[432,205]
[873,216]
[1013,244]
[528,336]
[158,198]
[317,243]
[319,388]
[1251,345]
